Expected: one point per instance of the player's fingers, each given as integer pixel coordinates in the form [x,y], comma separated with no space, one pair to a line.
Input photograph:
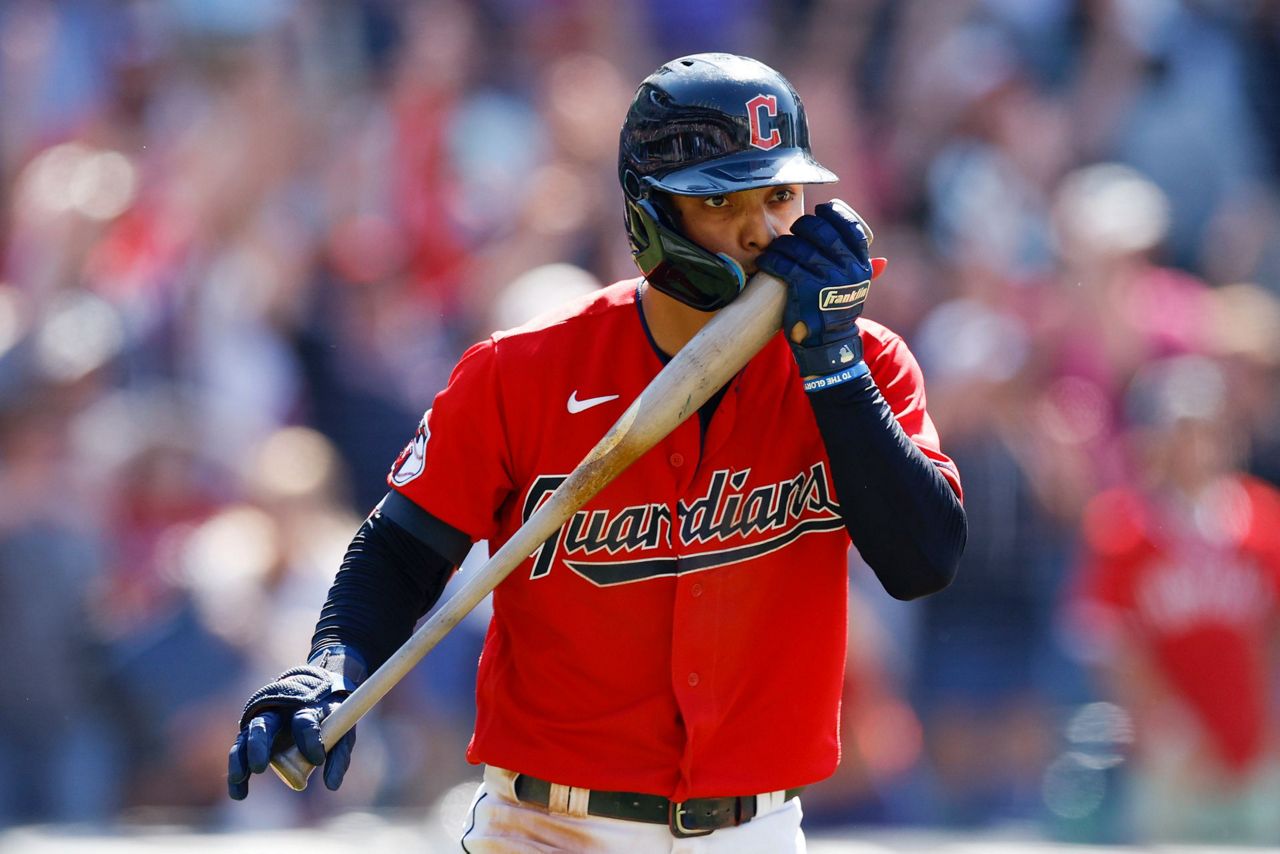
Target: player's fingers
[238,769]
[825,241]
[335,767]
[780,266]
[848,224]
[306,734]
[797,249]
[259,735]
[816,250]
[786,257]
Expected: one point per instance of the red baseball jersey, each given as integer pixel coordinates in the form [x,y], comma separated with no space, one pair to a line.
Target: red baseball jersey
[1197,591]
[684,632]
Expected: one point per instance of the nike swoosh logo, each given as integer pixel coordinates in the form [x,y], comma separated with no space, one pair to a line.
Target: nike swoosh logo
[576,405]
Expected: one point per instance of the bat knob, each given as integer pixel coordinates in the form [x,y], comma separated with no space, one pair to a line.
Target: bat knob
[291,767]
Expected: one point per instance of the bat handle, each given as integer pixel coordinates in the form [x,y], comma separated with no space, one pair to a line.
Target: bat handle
[291,767]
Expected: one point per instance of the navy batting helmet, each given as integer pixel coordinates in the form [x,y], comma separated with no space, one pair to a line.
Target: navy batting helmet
[706,125]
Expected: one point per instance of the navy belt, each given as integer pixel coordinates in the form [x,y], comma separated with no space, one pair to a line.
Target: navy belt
[694,817]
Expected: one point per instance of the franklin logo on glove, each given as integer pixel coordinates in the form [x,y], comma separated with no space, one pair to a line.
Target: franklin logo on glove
[845,296]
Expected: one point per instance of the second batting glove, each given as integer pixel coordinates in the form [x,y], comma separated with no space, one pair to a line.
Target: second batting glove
[301,697]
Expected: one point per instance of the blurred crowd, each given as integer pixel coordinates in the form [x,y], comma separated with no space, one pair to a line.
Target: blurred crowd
[243,243]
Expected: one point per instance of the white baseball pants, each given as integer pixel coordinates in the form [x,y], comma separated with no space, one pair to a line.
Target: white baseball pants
[500,824]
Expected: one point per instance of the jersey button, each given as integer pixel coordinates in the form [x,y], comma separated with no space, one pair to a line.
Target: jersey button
[677,460]
[693,680]
[696,590]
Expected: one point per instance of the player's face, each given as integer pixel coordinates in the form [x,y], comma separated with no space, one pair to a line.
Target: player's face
[740,224]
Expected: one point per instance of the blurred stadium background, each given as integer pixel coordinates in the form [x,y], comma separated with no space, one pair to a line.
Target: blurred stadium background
[242,244]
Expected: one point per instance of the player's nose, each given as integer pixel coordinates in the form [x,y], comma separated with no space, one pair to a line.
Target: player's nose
[759,228]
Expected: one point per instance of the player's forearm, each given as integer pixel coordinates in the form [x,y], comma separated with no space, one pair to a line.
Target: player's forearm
[388,580]
[901,513]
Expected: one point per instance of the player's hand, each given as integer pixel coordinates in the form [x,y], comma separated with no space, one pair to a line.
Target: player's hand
[290,709]
[826,265]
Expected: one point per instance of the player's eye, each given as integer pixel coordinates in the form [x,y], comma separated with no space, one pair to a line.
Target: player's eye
[716,201]
[784,194]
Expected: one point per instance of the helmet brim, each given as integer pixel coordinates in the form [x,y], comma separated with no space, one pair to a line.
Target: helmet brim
[745,170]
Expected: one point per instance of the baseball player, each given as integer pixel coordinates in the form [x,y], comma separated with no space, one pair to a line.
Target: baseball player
[664,673]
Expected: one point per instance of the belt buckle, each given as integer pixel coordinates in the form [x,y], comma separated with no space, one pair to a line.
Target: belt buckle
[675,821]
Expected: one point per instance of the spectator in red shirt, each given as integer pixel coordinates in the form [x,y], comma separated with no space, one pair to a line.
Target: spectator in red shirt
[1177,604]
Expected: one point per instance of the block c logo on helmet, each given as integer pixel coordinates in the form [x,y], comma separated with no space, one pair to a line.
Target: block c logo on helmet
[768,103]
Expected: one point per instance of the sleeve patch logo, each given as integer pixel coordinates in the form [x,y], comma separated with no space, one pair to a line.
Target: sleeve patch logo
[413,458]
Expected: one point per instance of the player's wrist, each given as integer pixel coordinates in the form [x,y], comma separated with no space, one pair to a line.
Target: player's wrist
[345,663]
[818,383]
[826,358]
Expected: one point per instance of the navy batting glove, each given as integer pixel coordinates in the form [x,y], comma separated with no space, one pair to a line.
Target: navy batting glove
[301,698]
[826,265]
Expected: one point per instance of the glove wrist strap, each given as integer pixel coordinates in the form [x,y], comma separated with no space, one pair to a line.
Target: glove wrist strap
[345,664]
[828,358]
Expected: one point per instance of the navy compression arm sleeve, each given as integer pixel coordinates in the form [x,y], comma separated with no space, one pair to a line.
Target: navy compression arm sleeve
[394,571]
[907,522]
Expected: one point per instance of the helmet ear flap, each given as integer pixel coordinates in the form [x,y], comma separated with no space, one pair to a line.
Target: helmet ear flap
[673,263]
[640,232]
[647,207]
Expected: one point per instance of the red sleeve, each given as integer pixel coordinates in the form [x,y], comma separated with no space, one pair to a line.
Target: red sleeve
[1114,529]
[1100,598]
[1263,536]
[457,466]
[898,376]
[1104,582]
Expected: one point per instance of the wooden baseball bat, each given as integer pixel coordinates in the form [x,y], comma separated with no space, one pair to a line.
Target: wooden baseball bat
[708,361]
